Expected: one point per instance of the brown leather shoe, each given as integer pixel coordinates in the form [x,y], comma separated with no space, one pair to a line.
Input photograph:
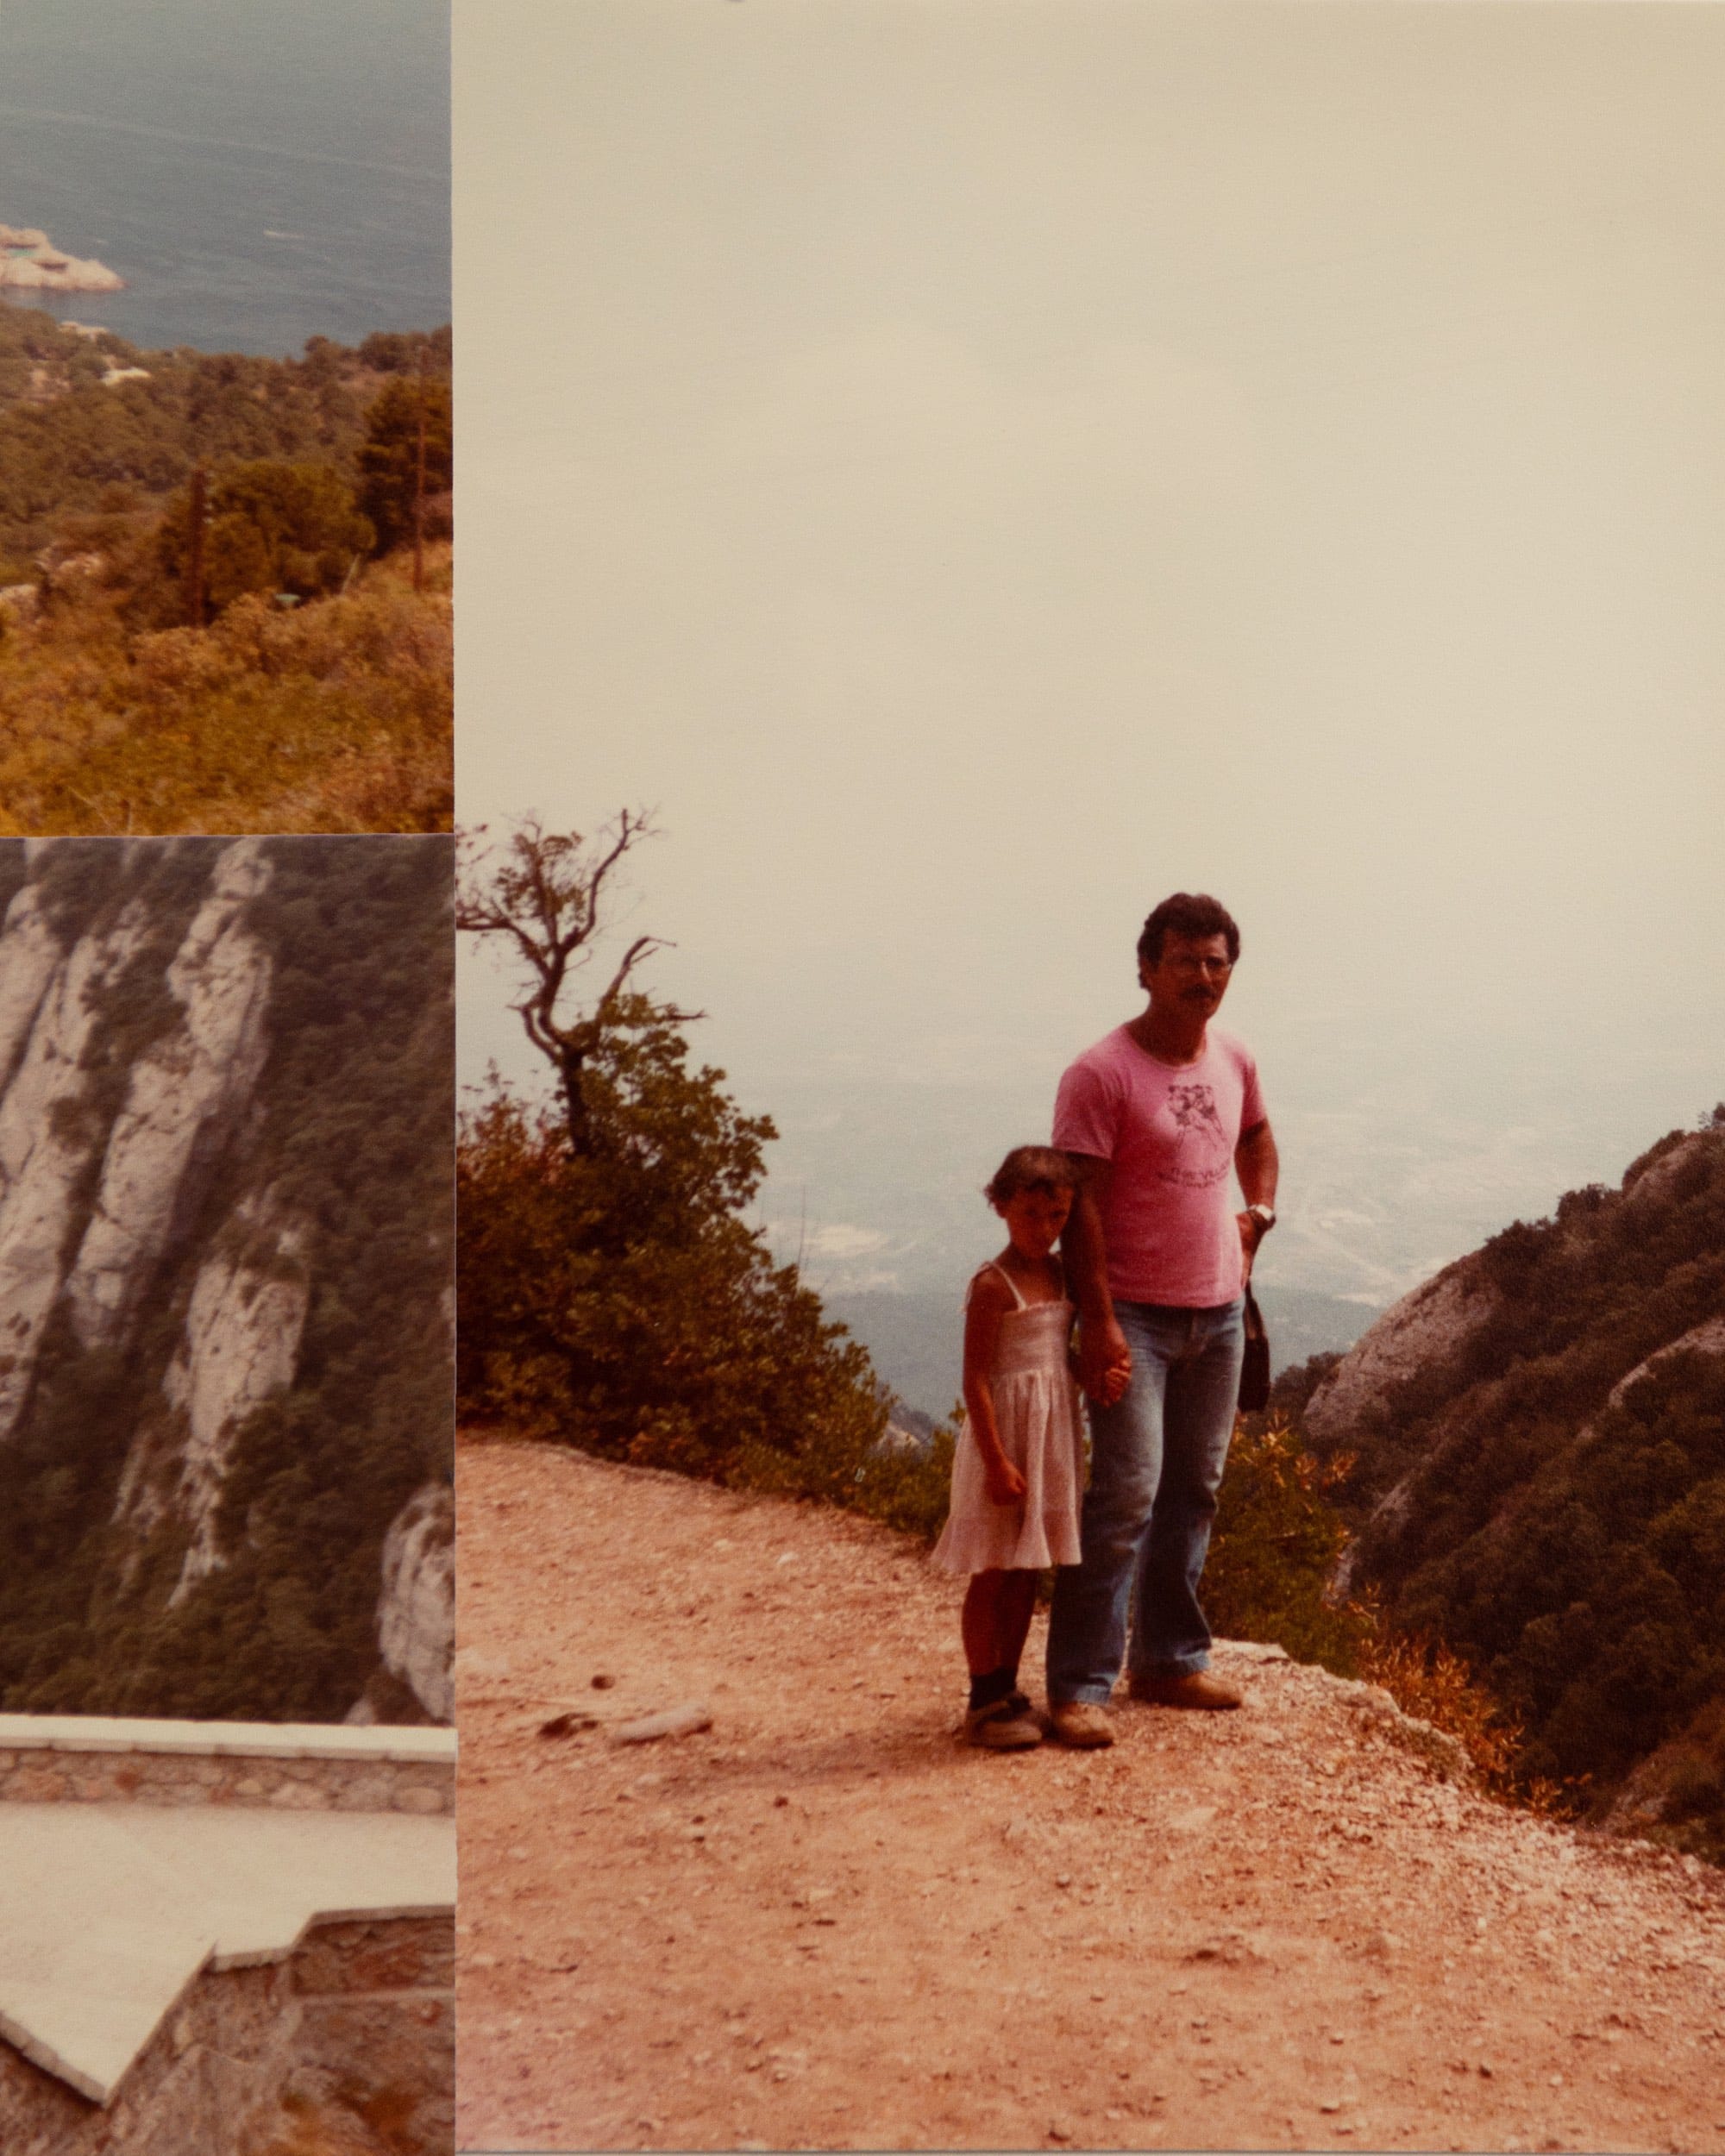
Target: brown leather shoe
[1199,1689]
[1082,1724]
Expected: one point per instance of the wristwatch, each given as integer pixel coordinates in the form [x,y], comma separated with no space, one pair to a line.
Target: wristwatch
[1264,1216]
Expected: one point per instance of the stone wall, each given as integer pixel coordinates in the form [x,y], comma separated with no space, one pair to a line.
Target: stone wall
[346,2045]
[64,1759]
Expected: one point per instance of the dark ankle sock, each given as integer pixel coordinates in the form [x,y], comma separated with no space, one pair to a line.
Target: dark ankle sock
[997,1685]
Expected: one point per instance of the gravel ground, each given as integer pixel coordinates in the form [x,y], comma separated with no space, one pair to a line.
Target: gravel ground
[821,1922]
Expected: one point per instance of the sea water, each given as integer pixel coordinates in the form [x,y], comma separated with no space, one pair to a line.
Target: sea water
[258,173]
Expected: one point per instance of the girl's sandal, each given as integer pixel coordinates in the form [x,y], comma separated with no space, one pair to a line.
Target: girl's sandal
[1007,1726]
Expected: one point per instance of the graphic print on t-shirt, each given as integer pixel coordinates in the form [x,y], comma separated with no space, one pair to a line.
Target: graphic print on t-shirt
[1202,1155]
[1170,1132]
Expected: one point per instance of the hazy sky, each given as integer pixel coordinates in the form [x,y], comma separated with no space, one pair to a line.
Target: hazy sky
[976,469]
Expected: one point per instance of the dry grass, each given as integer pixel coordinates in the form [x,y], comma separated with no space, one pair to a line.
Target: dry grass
[336,716]
[1432,1683]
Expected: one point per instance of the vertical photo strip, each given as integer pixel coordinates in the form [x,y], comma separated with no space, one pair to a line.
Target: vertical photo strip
[1092,1177]
[227,1563]
[226,1539]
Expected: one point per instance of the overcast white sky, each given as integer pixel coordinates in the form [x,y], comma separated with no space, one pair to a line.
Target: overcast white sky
[976,469]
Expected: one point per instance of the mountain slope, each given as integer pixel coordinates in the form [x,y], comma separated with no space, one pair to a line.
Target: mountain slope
[1538,1434]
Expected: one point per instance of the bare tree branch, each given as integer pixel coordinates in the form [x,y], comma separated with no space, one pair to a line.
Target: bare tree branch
[548,898]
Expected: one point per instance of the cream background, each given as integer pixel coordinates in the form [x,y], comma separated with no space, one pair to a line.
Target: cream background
[976,468]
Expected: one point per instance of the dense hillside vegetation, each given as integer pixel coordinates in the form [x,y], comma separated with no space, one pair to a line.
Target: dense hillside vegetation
[209,617]
[80,417]
[1538,1441]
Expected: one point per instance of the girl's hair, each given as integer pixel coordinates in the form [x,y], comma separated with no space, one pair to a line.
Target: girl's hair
[1031,1168]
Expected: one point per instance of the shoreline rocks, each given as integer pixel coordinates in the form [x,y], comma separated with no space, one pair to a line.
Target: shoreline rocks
[30,261]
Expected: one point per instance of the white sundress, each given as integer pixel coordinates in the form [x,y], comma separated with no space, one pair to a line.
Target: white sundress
[1036,1409]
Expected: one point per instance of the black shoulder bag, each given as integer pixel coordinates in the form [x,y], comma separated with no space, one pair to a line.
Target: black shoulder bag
[1254,1392]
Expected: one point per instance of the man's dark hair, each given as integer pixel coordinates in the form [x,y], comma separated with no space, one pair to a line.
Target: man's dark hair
[1188,913]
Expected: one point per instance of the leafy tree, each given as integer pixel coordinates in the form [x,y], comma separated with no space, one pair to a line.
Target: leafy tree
[388,458]
[611,1296]
[272,527]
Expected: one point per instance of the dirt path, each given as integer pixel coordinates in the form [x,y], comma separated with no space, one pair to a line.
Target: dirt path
[822,1923]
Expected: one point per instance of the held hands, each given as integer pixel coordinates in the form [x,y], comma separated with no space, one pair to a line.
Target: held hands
[1104,1361]
[1252,1233]
[1007,1484]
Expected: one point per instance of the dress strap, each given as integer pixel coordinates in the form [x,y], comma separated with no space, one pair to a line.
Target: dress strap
[994,1266]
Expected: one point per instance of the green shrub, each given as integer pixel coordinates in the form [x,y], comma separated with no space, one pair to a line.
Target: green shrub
[1274,1551]
[614,1300]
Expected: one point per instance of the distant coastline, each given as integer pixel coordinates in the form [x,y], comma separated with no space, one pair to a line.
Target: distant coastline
[30,261]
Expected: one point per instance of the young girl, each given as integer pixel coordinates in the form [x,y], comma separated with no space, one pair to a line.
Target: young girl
[1017,1474]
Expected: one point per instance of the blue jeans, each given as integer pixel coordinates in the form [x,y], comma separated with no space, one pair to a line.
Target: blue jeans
[1157,1457]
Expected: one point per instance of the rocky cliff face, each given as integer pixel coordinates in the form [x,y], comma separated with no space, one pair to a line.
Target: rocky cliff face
[184,1096]
[237,1348]
[417,1616]
[47,1140]
[204,1172]
[1428,1331]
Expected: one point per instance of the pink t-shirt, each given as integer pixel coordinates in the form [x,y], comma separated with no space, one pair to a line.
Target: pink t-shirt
[1169,1129]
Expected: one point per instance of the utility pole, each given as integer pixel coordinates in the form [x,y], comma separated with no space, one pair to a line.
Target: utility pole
[419,485]
[194,558]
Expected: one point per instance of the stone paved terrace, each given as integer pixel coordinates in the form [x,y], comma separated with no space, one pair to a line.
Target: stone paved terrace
[138,1860]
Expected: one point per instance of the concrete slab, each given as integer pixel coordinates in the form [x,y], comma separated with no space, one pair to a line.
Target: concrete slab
[109,1911]
[273,1740]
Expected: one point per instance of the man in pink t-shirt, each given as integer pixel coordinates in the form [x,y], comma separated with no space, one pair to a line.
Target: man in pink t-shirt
[1159,1116]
